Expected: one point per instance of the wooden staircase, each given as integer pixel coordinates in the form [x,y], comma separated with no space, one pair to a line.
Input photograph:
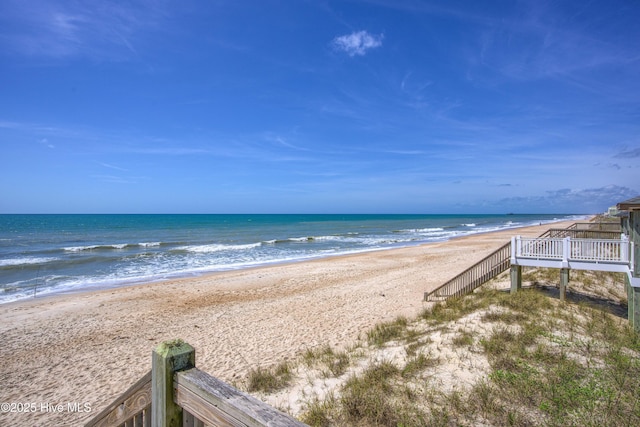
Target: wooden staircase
[500,260]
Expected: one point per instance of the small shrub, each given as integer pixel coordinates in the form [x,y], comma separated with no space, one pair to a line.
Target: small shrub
[527,302]
[267,381]
[498,342]
[334,363]
[418,363]
[503,316]
[337,364]
[368,397]
[318,413]
[388,331]
[441,312]
[463,339]
[485,396]
[311,356]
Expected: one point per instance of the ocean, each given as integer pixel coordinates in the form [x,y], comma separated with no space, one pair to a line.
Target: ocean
[45,254]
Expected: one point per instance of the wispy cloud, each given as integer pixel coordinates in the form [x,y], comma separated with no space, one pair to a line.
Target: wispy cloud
[282,141]
[58,29]
[535,45]
[43,133]
[357,43]
[109,166]
[113,179]
[171,151]
[632,153]
[590,200]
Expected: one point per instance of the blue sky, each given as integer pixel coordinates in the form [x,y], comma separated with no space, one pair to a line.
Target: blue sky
[293,106]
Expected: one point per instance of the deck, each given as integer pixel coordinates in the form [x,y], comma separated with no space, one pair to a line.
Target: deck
[613,255]
[547,250]
[572,253]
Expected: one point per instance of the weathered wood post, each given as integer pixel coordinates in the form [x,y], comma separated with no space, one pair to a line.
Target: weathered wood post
[167,358]
[564,282]
[516,270]
[516,278]
[564,271]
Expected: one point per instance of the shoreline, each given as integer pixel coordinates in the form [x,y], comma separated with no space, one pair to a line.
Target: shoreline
[46,293]
[89,347]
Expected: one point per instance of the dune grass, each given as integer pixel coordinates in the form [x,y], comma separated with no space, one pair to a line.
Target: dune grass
[269,380]
[546,363]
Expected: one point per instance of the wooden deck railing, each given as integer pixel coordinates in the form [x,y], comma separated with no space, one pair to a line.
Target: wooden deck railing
[549,247]
[599,250]
[177,394]
[500,260]
[596,226]
[581,234]
[586,253]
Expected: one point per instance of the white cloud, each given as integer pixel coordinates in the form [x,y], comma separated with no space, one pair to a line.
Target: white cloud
[45,142]
[590,200]
[357,43]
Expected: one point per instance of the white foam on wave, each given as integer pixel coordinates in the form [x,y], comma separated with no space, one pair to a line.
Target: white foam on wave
[425,230]
[216,247]
[22,289]
[302,239]
[149,244]
[330,238]
[94,247]
[383,241]
[81,248]
[25,261]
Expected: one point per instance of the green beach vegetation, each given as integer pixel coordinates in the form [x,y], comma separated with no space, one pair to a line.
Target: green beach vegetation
[488,358]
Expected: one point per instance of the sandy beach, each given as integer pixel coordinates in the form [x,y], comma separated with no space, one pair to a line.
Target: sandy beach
[90,347]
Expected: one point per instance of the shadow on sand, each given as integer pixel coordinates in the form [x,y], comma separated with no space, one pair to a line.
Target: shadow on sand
[608,305]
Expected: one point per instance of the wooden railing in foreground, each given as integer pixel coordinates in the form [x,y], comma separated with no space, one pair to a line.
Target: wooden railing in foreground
[131,409]
[177,394]
[500,260]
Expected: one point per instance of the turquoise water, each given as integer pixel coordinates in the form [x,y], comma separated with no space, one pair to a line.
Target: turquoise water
[44,254]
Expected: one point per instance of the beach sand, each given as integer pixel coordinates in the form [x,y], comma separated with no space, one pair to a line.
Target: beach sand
[88,348]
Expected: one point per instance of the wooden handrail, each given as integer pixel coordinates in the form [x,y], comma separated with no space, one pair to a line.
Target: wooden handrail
[176,393]
[474,276]
[133,405]
[216,403]
[600,226]
[577,233]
